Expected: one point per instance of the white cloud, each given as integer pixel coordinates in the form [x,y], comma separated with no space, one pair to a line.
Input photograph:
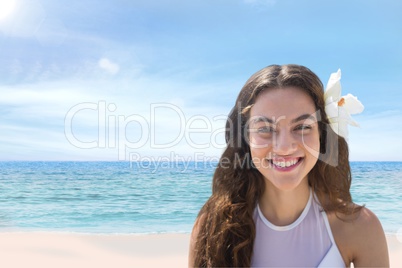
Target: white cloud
[107,65]
[33,118]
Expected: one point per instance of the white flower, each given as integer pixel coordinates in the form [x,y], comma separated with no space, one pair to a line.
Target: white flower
[339,108]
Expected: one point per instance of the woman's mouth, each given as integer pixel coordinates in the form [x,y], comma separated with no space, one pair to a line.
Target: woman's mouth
[285,164]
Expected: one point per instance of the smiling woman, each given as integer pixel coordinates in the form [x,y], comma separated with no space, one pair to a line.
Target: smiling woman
[285,184]
[6,8]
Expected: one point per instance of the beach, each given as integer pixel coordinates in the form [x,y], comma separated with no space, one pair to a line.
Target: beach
[395,250]
[49,250]
[91,214]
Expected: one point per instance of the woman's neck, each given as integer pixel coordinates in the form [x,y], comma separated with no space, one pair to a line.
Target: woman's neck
[282,208]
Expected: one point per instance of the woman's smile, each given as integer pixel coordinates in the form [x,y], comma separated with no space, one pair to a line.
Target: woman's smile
[285,164]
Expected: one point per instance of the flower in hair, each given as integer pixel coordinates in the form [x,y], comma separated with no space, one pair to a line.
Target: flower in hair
[339,109]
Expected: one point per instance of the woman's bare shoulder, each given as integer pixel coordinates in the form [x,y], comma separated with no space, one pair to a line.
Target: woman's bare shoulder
[360,238]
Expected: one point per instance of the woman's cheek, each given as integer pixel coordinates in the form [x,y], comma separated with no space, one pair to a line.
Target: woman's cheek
[260,151]
[259,143]
[311,144]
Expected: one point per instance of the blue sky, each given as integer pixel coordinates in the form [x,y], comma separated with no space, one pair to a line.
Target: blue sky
[110,80]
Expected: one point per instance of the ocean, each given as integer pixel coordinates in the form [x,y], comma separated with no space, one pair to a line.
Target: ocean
[140,198]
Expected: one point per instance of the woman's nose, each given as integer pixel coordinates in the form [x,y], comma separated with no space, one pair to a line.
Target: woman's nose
[284,143]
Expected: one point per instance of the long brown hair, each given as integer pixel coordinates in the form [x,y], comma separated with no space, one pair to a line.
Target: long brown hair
[226,226]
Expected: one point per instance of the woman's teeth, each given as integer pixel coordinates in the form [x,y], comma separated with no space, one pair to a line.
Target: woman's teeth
[284,164]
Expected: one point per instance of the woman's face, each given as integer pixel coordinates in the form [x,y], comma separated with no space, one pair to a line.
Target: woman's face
[284,136]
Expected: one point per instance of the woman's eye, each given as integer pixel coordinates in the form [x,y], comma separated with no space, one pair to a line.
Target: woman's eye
[265,130]
[303,128]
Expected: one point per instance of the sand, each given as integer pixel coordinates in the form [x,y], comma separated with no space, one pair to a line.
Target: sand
[60,250]
[395,250]
[50,250]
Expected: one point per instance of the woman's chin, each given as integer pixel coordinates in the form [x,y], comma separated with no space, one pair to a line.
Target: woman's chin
[286,184]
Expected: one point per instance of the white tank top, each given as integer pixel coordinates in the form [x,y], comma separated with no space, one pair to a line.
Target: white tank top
[307,242]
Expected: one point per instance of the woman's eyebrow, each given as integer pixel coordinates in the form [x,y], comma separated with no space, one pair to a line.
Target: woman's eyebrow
[261,118]
[303,117]
[258,119]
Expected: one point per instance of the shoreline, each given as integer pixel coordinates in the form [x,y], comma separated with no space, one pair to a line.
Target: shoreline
[55,249]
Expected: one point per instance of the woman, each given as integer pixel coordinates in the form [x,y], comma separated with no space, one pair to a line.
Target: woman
[280,192]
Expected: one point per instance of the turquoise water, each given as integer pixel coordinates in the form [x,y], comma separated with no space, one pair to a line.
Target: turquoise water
[378,185]
[119,197]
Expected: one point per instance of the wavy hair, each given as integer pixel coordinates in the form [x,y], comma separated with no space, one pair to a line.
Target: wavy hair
[226,226]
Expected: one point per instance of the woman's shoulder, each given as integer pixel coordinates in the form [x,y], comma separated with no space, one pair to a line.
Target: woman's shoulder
[359,221]
[360,237]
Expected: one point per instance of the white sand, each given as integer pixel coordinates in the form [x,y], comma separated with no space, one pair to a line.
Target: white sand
[50,250]
[395,250]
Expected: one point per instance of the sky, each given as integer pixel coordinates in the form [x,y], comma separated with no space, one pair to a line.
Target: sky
[87,80]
